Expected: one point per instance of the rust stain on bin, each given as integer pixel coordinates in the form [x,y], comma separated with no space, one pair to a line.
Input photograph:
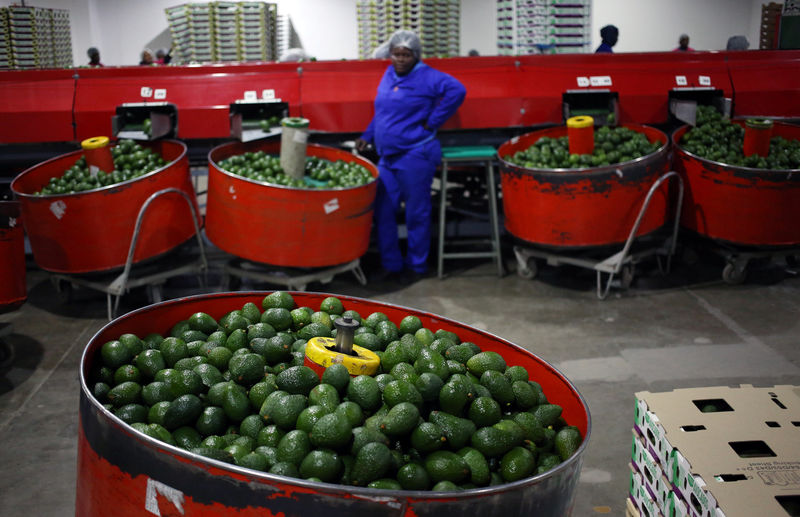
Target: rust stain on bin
[577,208]
[123,469]
[285,226]
[740,205]
[91,231]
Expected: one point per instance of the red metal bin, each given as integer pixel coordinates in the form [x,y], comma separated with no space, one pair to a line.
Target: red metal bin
[580,208]
[285,226]
[13,289]
[740,205]
[123,469]
[91,231]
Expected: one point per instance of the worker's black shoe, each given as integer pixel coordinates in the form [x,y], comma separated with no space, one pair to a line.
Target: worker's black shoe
[384,276]
[411,277]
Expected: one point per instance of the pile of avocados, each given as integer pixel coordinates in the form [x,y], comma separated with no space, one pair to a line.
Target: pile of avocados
[716,138]
[131,160]
[611,146]
[439,415]
[319,172]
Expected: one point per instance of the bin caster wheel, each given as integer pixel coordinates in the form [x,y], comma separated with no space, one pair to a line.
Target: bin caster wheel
[63,291]
[529,270]
[733,275]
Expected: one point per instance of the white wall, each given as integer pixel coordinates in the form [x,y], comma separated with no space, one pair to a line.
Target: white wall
[655,25]
[328,30]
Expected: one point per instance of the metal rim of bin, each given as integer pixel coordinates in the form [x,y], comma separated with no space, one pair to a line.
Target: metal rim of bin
[123,282]
[495,253]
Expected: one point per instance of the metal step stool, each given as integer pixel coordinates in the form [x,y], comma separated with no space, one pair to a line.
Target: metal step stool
[472,155]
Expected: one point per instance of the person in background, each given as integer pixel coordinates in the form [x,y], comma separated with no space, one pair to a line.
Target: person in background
[609,34]
[473,53]
[94,56]
[737,43]
[163,56]
[147,57]
[412,102]
[683,44]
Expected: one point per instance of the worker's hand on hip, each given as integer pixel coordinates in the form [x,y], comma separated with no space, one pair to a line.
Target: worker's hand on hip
[361,144]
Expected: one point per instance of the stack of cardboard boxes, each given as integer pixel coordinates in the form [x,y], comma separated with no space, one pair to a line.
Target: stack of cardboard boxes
[34,37]
[436,22]
[716,452]
[543,26]
[224,31]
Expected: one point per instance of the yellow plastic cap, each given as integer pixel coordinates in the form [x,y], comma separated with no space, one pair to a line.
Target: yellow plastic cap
[95,142]
[580,122]
[322,351]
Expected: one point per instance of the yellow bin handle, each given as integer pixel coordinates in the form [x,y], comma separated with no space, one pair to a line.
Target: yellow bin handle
[95,142]
[580,121]
[322,351]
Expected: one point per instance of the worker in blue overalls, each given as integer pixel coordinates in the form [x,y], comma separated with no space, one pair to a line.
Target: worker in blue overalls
[412,102]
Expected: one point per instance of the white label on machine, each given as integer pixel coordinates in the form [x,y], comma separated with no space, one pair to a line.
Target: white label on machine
[704,80]
[171,495]
[600,80]
[12,222]
[146,92]
[300,137]
[250,95]
[160,94]
[93,170]
[331,206]
[268,95]
[583,82]
[680,80]
[58,208]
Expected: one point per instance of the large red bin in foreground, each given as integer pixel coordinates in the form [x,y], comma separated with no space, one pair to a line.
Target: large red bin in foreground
[91,231]
[740,205]
[13,288]
[579,208]
[286,226]
[134,474]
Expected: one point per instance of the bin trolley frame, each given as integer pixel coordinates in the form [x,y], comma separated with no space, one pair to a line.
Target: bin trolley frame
[119,284]
[620,264]
[294,279]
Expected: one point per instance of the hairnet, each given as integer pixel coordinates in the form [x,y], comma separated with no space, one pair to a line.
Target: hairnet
[609,32]
[683,36]
[738,43]
[92,52]
[407,39]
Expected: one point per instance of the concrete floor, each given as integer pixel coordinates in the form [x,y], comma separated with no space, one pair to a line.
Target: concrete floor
[685,330]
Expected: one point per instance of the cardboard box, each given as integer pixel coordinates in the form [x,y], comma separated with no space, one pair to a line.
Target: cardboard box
[733,451]
[643,499]
[653,475]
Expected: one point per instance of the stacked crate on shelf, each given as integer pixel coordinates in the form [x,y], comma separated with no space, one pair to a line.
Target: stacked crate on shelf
[543,26]
[225,38]
[224,31]
[5,41]
[372,26]
[30,41]
[62,38]
[770,22]
[258,28]
[716,452]
[191,27]
[436,22]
